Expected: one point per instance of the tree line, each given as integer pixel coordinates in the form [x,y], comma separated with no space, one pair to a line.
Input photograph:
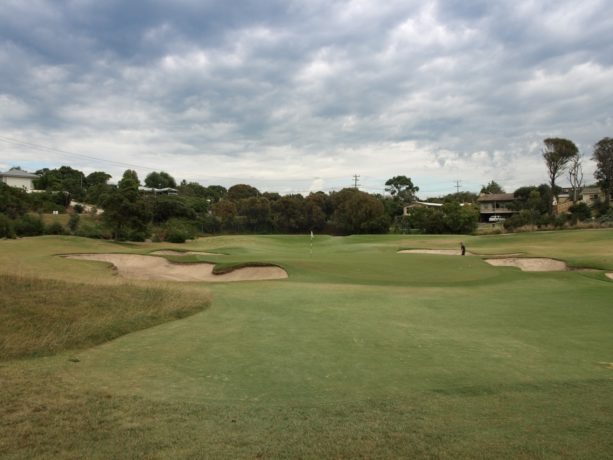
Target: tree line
[133,214]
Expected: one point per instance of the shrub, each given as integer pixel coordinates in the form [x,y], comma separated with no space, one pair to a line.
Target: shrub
[54,228]
[73,222]
[7,229]
[93,230]
[580,212]
[29,225]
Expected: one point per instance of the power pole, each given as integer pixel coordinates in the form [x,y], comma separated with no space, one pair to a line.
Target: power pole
[355,181]
[457,186]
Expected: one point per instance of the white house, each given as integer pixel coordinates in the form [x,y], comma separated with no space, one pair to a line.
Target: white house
[18,178]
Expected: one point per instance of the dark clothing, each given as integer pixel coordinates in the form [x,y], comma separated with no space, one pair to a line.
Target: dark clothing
[463,248]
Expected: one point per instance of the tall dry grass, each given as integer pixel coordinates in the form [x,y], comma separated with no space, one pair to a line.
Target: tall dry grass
[42,317]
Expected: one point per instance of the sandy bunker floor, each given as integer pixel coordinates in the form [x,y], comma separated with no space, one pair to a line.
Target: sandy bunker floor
[610,275]
[530,264]
[140,267]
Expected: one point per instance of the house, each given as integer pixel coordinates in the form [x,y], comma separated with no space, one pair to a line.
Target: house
[158,191]
[495,204]
[16,177]
[587,195]
[419,204]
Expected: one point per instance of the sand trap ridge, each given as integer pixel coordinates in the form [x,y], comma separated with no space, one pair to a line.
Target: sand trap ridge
[530,264]
[141,267]
[170,252]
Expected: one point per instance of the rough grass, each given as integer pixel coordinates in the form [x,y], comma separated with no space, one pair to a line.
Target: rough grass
[41,317]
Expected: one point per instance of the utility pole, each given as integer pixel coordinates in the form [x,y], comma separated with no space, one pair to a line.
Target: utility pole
[355,181]
[457,186]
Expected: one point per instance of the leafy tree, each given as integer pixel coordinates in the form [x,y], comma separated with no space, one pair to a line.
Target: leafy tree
[216,193]
[603,156]
[580,211]
[256,210]
[160,180]
[168,207]
[537,199]
[63,179]
[492,187]
[289,214]
[13,201]
[225,210]
[242,191]
[557,153]
[358,212]
[97,178]
[192,189]
[401,188]
[125,211]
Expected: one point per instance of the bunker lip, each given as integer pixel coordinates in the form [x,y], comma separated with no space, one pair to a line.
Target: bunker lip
[530,264]
[143,267]
[456,252]
[446,252]
[170,252]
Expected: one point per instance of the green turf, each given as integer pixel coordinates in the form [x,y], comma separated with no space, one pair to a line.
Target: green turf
[361,353]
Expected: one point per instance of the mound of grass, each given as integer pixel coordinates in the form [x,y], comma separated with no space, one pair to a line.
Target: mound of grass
[41,317]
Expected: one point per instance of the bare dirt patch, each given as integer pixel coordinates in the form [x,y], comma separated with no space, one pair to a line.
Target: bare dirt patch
[530,264]
[139,267]
[169,252]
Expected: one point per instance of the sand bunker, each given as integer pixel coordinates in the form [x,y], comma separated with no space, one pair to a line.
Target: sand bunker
[446,252]
[530,264]
[169,252]
[140,267]
[609,275]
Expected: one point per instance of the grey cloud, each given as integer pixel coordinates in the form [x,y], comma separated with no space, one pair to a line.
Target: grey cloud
[233,77]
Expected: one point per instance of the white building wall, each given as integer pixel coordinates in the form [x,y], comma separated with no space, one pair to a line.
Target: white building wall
[18,182]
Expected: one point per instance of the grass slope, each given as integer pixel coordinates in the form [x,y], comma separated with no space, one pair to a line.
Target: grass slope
[361,353]
[42,317]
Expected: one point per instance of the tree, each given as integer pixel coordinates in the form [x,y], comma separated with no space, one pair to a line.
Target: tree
[603,156]
[575,177]
[225,211]
[63,179]
[358,212]
[289,214]
[97,178]
[160,180]
[557,153]
[241,191]
[125,211]
[492,187]
[401,188]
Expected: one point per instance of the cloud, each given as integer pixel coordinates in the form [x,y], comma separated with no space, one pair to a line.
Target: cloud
[294,94]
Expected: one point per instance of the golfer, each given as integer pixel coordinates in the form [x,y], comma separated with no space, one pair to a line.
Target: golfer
[462,248]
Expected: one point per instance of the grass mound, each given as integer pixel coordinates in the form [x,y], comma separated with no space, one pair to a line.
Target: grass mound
[42,317]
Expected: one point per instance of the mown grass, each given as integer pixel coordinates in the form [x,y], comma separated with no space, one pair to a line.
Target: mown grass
[41,317]
[360,353]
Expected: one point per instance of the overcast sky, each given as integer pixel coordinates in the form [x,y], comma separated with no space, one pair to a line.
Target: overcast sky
[293,96]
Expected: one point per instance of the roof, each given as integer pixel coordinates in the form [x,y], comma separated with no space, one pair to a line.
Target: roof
[14,172]
[496,197]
